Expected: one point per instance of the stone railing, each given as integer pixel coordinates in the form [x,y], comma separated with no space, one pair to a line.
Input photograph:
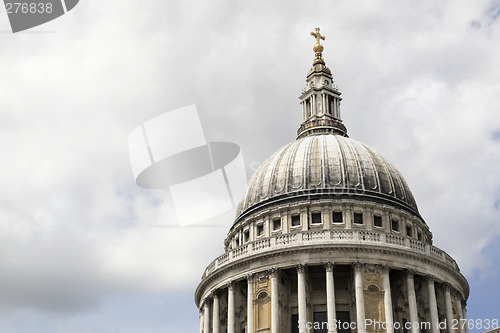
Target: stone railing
[327,237]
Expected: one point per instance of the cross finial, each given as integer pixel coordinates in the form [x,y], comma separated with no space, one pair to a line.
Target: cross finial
[318,48]
[317,35]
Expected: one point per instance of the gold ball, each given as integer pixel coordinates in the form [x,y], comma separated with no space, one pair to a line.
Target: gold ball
[318,48]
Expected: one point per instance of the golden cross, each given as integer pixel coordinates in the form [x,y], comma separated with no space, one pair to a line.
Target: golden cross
[317,35]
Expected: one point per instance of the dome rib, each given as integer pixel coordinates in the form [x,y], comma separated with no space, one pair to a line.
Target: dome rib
[338,157]
[276,176]
[358,164]
[315,160]
[388,172]
[351,171]
[369,167]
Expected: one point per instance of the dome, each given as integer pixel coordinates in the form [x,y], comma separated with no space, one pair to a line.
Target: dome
[327,164]
[327,234]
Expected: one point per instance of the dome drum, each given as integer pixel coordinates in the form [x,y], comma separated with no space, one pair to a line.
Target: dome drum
[324,214]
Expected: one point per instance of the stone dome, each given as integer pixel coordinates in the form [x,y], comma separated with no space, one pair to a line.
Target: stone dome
[328,232]
[327,164]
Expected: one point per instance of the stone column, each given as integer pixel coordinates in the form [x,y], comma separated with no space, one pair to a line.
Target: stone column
[323,107]
[231,309]
[275,302]
[304,219]
[330,299]
[461,326]
[389,318]
[206,318]
[215,314]
[284,222]
[301,280]
[315,105]
[412,301]
[250,315]
[201,320]
[360,298]
[349,217]
[449,309]
[433,305]
[326,217]
[464,312]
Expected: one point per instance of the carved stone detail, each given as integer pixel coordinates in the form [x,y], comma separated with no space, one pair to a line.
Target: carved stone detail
[329,266]
[301,268]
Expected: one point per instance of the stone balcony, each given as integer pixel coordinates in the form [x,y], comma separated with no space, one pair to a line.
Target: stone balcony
[328,238]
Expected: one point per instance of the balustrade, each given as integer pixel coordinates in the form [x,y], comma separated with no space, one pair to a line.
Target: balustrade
[327,237]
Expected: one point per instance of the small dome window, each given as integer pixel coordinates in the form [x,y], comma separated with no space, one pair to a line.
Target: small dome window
[408,231]
[295,220]
[337,217]
[395,225]
[316,218]
[277,224]
[260,230]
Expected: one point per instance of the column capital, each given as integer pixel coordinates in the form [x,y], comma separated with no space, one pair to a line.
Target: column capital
[273,272]
[430,278]
[329,266]
[410,273]
[447,286]
[358,266]
[385,268]
[229,285]
[249,277]
[301,268]
[459,295]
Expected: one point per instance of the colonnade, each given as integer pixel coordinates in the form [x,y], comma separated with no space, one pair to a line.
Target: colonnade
[330,105]
[213,307]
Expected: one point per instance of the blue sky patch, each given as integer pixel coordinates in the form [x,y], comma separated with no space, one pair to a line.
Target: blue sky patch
[494,12]
[475,24]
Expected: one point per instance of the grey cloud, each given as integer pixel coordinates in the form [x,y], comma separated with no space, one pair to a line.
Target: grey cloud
[419,85]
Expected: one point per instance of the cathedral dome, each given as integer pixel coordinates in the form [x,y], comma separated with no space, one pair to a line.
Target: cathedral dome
[327,164]
[328,232]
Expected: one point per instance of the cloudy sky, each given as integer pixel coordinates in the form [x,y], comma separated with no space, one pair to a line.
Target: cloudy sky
[80,246]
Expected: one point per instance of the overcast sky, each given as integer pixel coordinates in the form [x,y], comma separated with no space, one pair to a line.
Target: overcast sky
[420,83]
